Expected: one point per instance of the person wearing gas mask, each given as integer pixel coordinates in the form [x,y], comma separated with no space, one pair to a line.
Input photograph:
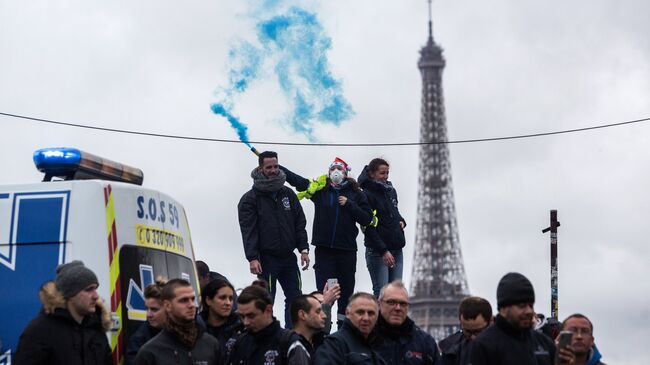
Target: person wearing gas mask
[339,204]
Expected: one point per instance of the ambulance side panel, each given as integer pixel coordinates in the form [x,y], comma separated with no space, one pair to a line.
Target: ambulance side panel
[126,234]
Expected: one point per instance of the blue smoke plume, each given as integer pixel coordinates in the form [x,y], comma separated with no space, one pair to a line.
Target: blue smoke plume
[293,44]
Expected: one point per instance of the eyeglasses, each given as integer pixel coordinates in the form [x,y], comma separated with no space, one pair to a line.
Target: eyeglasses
[394,303]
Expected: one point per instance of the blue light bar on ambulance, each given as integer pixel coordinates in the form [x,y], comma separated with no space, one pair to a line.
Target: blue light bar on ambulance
[74,164]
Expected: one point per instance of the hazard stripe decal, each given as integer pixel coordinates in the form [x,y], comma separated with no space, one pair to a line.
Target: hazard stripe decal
[117,337]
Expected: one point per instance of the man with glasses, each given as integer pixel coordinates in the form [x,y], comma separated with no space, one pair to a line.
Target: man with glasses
[582,341]
[475,315]
[399,340]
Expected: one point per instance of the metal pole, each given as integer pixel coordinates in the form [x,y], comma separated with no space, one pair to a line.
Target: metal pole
[554,268]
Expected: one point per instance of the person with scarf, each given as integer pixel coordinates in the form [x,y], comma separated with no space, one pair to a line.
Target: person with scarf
[385,240]
[183,340]
[272,225]
[339,205]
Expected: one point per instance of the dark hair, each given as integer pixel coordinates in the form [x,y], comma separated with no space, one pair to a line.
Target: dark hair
[170,287]
[154,291]
[256,292]
[301,302]
[577,315]
[471,307]
[361,294]
[211,289]
[202,269]
[266,154]
[316,292]
[374,164]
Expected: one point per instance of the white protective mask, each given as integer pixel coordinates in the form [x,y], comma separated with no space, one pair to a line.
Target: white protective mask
[337,176]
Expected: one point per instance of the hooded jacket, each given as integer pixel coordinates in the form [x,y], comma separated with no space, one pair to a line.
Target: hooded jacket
[503,344]
[55,337]
[406,344]
[272,224]
[594,357]
[382,197]
[347,346]
[335,225]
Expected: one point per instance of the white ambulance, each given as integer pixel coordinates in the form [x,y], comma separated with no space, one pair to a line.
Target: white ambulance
[90,209]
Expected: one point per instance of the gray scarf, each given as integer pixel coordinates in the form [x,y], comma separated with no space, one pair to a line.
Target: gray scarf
[265,184]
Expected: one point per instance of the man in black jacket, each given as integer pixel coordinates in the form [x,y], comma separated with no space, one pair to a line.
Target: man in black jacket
[272,225]
[399,340]
[308,320]
[71,328]
[182,341]
[351,344]
[512,339]
[475,315]
[263,341]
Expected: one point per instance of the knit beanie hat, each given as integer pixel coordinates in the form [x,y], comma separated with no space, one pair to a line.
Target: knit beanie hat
[73,277]
[514,288]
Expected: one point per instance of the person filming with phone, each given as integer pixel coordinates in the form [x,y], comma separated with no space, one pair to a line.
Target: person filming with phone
[512,339]
[581,339]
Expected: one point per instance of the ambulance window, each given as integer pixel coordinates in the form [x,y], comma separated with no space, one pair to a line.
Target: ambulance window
[139,267]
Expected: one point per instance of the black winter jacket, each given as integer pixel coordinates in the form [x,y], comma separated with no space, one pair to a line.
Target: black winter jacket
[143,334]
[223,333]
[405,345]
[265,347]
[54,337]
[455,349]
[335,225]
[347,346]
[388,235]
[271,223]
[503,344]
[165,348]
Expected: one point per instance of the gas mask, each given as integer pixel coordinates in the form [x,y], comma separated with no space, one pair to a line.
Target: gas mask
[337,176]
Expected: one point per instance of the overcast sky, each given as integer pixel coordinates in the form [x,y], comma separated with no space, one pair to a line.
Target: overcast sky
[512,68]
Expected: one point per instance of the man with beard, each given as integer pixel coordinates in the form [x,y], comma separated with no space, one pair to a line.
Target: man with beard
[512,339]
[156,317]
[582,341]
[351,344]
[182,341]
[264,341]
[399,340]
[475,315]
[272,225]
[308,320]
[71,327]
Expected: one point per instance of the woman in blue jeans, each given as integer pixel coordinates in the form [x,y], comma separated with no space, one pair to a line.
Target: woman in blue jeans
[384,241]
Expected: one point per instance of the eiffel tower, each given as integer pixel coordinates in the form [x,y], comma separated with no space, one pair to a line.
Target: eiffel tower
[438,281]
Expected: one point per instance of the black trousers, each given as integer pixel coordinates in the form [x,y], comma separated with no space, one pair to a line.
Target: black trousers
[340,264]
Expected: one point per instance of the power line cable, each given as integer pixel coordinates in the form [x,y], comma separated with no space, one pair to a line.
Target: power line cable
[191,138]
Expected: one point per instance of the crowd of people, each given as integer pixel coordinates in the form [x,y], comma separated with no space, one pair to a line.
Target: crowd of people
[226,327]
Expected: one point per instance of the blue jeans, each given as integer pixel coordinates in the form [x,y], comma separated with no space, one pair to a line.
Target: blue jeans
[381,274]
[285,270]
